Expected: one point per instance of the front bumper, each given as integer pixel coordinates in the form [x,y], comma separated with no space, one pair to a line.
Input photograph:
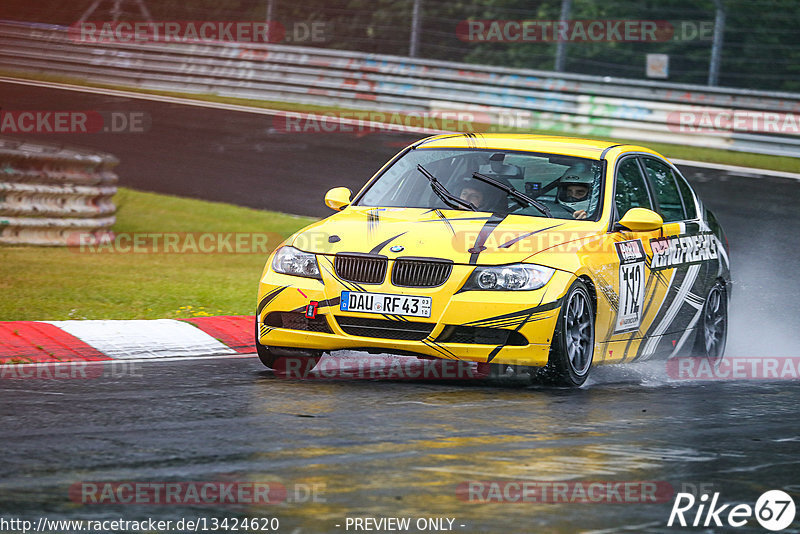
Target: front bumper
[510,327]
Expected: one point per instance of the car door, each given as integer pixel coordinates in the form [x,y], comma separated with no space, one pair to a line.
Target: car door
[624,278]
[681,255]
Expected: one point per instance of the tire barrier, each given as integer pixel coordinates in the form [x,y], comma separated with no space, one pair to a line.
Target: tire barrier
[732,119]
[47,193]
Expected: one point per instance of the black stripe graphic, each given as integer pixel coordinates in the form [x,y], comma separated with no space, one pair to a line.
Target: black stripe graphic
[483,235]
[373,219]
[498,348]
[443,218]
[380,246]
[493,353]
[523,236]
[484,218]
[268,298]
[670,298]
[517,314]
[439,348]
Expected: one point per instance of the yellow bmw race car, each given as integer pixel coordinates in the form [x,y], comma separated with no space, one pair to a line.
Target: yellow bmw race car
[553,254]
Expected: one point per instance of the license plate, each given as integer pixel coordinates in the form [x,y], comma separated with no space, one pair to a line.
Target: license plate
[355,301]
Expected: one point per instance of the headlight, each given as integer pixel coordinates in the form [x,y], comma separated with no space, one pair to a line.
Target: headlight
[519,277]
[289,260]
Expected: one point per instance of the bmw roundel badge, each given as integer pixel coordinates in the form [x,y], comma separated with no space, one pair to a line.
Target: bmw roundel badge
[397,248]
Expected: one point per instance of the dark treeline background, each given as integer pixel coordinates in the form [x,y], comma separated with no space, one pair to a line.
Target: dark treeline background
[761,39]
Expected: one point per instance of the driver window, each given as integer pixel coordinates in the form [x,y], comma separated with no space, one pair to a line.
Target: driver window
[631,190]
[669,199]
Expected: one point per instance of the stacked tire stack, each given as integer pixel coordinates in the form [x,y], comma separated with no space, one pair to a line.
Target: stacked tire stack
[50,195]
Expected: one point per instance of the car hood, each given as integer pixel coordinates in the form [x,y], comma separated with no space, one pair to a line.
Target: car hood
[464,237]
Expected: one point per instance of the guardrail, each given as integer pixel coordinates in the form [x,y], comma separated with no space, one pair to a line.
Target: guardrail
[765,122]
[49,194]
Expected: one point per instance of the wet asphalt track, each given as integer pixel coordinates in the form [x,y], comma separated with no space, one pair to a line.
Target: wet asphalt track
[400,448]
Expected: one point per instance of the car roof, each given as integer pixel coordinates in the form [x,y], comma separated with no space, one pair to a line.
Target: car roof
[548,144]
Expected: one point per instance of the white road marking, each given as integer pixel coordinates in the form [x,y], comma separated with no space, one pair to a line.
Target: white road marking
[131,360]
[159,338]
[735,168]
[222,105]
[37,392]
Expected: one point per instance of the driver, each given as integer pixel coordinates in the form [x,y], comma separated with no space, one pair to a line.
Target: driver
[483,196]
[575,188]
[473,196]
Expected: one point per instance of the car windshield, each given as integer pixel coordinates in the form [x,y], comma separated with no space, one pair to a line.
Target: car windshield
[568,186]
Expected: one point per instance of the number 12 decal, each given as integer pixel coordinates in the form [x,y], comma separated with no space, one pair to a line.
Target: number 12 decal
[631,285]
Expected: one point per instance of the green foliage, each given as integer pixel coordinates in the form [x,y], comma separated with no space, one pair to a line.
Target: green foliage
[112,283]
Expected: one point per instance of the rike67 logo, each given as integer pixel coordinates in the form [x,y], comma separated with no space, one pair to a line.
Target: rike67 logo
[774,510]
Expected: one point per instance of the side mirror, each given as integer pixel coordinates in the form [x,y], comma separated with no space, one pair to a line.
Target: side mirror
[641,220]
[338,198]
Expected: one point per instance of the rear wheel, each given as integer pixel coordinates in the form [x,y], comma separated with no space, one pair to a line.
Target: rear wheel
[294,362]
[572,349]
[713,331]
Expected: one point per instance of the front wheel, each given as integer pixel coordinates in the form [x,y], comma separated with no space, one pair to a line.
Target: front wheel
[284,361]
[572,349]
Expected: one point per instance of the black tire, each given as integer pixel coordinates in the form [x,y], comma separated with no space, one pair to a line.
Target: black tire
[281,360]
[712,332]
[572,348]
[265,355]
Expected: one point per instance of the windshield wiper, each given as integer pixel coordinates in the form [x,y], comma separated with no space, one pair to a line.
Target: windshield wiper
[447,197]
[514,193]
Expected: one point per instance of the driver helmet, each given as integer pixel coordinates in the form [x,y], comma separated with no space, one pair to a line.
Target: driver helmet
[575,187]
